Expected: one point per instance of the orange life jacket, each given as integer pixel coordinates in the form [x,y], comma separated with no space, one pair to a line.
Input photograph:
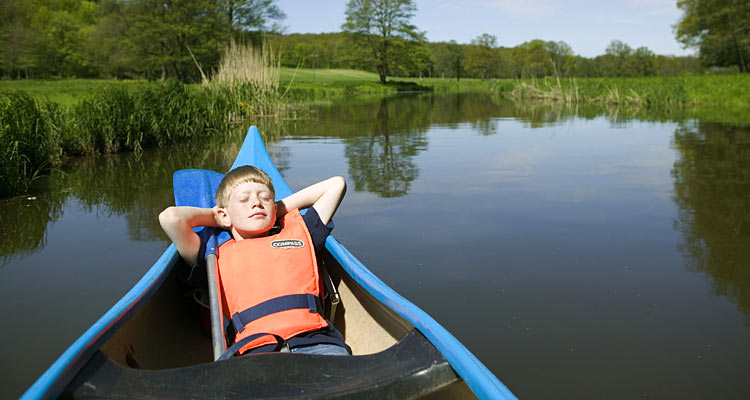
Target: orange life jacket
[271,284]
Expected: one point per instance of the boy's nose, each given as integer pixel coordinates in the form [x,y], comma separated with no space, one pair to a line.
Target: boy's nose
[256,202]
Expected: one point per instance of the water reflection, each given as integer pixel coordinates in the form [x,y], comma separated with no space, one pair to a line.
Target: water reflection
[712,191]
[23,223]
[137,188]
[382,160]
[582,222]
[382,141]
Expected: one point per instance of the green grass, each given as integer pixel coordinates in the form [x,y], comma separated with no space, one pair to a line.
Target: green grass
[29,140]
[714,90]
[678,91]
[65,92]
[326,75]
[348,82]
[36,133]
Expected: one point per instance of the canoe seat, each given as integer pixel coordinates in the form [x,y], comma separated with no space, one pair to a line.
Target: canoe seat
[409,369]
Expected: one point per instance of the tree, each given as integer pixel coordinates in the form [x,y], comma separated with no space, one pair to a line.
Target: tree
[538,60]
[449,58]
[45,37]
[413,60]
[619,60]
[381,23]
[644,62]
[246,15]
[16,38]
[720,29]
[108,49]
[559,53]
[482,56]
[163,34]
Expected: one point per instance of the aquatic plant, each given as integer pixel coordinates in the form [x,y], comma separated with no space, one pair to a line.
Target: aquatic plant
[29,140]
[120,119]
[244,64]
[679,91]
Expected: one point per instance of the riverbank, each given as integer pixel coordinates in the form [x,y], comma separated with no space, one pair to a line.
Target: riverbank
[305,84]
[670,91]
[36,133]
[43,122]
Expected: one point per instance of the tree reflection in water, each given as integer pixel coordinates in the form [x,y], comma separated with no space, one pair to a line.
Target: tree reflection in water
[24,220]
[137,188]
[383,162]
[712,192]
[382,141]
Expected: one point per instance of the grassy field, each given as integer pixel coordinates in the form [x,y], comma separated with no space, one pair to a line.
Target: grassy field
[305,84]
[673,91]
[65,92]
[326,75]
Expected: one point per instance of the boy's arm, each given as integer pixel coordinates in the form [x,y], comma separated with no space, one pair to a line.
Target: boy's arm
[178,223]
[324,196]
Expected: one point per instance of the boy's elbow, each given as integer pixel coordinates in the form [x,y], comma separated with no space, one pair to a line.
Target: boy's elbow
[168,216]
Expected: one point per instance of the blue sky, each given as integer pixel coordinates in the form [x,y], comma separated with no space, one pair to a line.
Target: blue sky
[588,26]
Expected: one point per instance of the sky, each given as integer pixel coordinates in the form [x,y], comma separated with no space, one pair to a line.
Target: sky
[588,26]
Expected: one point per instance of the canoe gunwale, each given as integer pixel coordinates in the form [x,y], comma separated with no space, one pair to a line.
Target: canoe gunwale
[482,382]
[477,377]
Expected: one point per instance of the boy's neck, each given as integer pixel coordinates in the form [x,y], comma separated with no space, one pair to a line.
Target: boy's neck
[237,236]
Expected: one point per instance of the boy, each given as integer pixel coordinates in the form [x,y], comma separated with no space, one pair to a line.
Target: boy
[268,274]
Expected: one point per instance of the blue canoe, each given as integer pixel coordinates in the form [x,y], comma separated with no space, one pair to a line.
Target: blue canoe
[156,341]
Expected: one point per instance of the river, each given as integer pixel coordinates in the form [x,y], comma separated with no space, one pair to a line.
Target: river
[577,253]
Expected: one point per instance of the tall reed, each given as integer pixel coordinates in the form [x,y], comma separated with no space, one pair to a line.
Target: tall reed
[119,119]
[34,134]
[29,140]
[245,64]
[677,91]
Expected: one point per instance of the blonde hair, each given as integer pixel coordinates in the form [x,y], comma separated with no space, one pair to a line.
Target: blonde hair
[238,176]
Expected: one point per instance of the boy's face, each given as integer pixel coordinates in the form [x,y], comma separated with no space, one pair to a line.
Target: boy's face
[250,212]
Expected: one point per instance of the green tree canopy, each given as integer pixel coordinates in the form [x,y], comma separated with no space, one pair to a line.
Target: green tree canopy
[720,29]
[482,56]
[245,15]
[124,38]
[449,59]
[380,23]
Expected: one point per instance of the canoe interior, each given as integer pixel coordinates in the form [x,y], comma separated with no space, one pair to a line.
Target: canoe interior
[170,337]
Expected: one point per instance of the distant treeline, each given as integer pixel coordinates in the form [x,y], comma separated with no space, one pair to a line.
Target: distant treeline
[146,39]
[482,58]
[125,38]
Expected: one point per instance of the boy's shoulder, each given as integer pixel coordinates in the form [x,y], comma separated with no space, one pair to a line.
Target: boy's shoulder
[317,229]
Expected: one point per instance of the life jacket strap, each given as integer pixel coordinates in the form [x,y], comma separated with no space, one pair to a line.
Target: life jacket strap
[278,304]
[280,343]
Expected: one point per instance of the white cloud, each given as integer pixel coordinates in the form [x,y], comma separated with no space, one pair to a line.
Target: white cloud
[524,9]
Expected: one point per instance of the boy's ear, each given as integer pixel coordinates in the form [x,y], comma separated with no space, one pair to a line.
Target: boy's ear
[224,218]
